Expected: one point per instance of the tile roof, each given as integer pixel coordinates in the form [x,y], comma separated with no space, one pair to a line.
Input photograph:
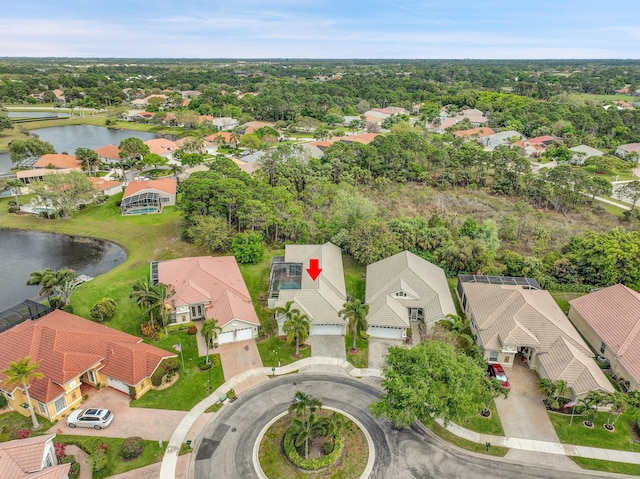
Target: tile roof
[161,146]
[480,131]
[364,138]
[109,151]
[215,281]
[513,316]
[102,184]
[631,148]
[165,185]
[23,458]
[589,151]
[614,314]
[226,135]
[323,298]
[58,161]
[69,345]
[424,284]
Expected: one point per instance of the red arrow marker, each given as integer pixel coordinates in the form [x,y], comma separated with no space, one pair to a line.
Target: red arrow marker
[314,270]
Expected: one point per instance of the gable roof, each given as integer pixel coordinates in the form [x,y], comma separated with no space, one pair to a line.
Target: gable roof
[57,161]
[480,131]
[99,183]
[109,151]
[630,148]
[161,146]
[164,185]
[215,281]
[587,150]
[22,459]
[614,314]
[69,345]
[424,283]
[323,298]
[226,135]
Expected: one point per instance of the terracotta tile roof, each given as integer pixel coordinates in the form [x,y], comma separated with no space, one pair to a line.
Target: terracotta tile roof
[214,281]
[165,185]
[102,184]
[109,151]
[69,345]
[222,134]
[364,138]
[22,459]
[614,314]
[480,131]
[161,146]
[246,166]
[252,126]
[58,161]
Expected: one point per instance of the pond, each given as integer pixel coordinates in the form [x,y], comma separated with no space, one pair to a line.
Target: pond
[23,252]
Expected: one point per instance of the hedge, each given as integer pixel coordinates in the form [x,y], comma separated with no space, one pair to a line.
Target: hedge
[180,326]
[310,464]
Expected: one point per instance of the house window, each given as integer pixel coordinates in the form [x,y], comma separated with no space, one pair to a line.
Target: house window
[60,404]
[42,408]
[196,311]
[493,356]
[92,377]
[416,314]
[603,348]
[164,199]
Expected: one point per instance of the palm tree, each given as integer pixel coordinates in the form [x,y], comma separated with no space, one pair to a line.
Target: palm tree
[146,296]
[297,329]
[175,169]
[355,312]
[49,279]
[619,403]
[493,389]
[65,290]
[591,402]
[453,322]
[23,371]
[14,185]
[304,404]
[162,303]
[287,311]
[210,331]
[306,430]
[334,425]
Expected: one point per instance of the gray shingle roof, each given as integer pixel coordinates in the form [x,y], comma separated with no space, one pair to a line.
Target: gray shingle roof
[424,283]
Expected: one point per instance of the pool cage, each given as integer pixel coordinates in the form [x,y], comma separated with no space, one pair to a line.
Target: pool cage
[20,313]
[140,204]
[283,276]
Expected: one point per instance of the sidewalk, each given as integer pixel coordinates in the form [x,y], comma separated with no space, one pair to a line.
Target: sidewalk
[195,419]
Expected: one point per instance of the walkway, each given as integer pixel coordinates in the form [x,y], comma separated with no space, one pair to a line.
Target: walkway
[196,419]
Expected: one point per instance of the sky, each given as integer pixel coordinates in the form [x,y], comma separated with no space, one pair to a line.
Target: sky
[402,29]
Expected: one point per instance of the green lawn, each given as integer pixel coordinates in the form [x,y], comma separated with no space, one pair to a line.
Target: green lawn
[14,421]
[453,282]
[256,276]
[491,425]
[466,444]
[192,386]
[622,438]
[611,175]
[354,274]
[361,358]
[607,466]
[274,351]
[152,453]
[562,299]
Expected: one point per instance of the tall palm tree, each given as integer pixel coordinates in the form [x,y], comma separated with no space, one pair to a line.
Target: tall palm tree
[146,296]
[355,311]
[49,278]
[591,402]
[334,425]
[307,430]
[14,185]
[619,403]
[210,331]
[23,371]
[162,302]
[303,404]
[287,310]
[65,290]
[297,329]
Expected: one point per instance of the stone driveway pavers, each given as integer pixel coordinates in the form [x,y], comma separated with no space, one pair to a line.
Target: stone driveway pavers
[239,357]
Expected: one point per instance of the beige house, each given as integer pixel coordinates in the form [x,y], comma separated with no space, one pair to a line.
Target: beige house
[321,298]
[515,320]
[31,458]
[609,319]
[209,287]
[143,197]
[402,289]
[73,350]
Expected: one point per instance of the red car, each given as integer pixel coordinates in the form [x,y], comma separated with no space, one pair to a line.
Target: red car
[496,371]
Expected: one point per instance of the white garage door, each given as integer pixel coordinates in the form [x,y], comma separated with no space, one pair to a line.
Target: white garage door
[385,333]
[237,335]
[327,330]
[119,385]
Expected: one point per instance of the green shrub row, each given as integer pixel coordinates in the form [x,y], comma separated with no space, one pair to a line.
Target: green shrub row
[179,326]
[310,464]
[169,367]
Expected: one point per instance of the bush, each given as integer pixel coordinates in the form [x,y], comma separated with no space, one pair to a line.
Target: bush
[74,472]
[310,464]
[248,247]
[179,326]
[3,401]
[204,365]
[168,366]
[192,330]
[23,433]
[97,460]
[149,330]
[131,448]
[60,450]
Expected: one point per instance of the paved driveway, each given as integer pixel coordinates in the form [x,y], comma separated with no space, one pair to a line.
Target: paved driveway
[327,347]
[127,421]
[378,349]
[239,357]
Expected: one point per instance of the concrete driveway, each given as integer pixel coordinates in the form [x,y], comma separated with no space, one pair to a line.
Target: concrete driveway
[155,424]
[239,357]
[327,347]
[378,349]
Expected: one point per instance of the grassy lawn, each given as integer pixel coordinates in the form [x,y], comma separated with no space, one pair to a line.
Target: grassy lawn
[562,299]
[152,453]
[274,351]
[350,466]
[354,274]
[491,425]
[451,438]
[15,421]
[361,358]
[622,438]
[256,276]
[607,466]
[191,388]
[611,175]
[453,282]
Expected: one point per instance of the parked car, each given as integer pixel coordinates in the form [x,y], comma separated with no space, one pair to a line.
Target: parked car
[497,371]
[93,417]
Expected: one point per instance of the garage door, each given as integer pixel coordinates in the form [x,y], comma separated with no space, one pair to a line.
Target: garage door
[237,335]
[119,385]
[327,330]
[385,333]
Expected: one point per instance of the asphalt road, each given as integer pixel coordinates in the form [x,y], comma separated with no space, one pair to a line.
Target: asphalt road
[225,448]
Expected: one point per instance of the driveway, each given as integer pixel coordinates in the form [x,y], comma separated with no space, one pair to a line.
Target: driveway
[378,349]
[327,347]
[127,421]
[239,357]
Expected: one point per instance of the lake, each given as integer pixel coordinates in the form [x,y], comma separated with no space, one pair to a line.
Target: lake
[23,252]
[68,138]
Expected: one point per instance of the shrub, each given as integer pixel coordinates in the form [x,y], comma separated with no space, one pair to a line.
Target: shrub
[168,366]
[23,433]
[3,401]
[204,365]
[310,464]
[5,434]
[131,448]
[192,330]
[149,330]
[97,460]
[74,472]
[180,326]
[60,450]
